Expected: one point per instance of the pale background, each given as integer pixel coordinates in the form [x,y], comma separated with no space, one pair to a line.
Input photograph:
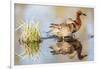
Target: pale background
[5,38]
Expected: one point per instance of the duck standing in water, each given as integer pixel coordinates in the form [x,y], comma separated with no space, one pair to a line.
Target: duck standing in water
[67,29]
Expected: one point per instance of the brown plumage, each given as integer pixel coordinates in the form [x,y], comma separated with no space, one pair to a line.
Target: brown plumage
[70,47]
[65,29]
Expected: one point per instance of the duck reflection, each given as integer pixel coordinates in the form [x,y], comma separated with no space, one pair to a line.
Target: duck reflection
[69,46]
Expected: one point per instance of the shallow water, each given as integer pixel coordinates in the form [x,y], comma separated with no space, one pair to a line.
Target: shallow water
[45,56]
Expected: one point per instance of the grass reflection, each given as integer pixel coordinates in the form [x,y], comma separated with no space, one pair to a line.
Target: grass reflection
[31,49]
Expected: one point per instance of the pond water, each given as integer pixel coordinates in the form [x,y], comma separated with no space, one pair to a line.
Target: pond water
[44,55]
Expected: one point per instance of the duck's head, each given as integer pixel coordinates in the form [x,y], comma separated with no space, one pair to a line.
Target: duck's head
[81,13]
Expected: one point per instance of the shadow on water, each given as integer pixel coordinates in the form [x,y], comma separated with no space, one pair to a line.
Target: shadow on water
[69,46]
[33,48]
[30,49]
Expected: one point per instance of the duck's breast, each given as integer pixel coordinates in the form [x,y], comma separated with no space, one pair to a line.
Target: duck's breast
[65,31]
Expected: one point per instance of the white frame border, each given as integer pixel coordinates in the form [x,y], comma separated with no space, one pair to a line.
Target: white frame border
[54,3]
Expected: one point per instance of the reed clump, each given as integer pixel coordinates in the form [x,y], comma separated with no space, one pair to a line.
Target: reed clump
[30,39]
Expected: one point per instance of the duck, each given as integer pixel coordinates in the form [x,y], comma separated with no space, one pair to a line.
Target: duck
[67,29]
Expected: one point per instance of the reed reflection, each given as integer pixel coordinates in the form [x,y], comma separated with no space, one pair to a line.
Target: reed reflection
[31,49]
